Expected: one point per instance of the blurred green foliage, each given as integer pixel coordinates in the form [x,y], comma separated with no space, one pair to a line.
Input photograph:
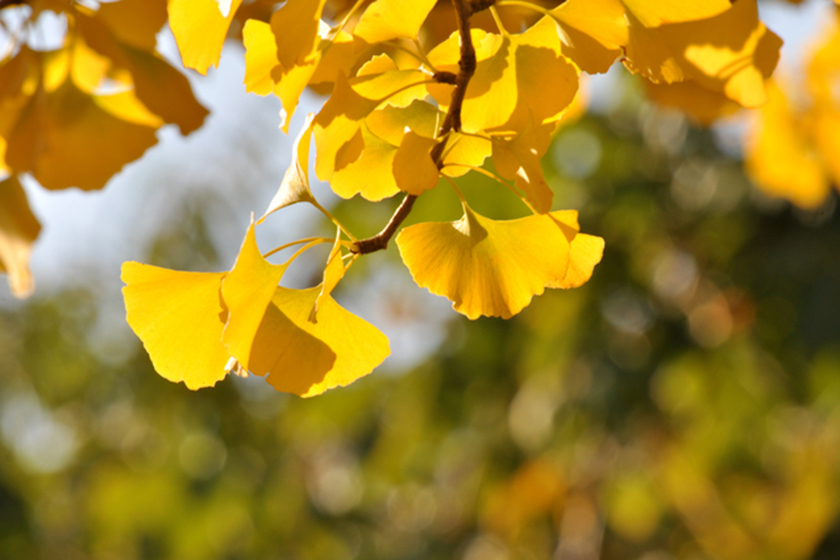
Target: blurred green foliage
[684,404]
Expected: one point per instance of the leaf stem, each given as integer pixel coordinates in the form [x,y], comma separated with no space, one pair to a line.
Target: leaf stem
[333,219]
[298,242]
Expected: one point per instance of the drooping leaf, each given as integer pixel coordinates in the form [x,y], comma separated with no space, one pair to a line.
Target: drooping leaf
[384,20]
[781,159]
[519,158]
[333,273]
[372,175]
[585,251]
[730,53]
[247,291]
[486,267]
[414,171]
[295,185]
[18,230]
[336,125]
[594,31]
[200,30]
[179,316]
[653,13]
[358,346]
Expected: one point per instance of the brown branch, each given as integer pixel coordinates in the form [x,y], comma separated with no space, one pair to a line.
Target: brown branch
[452,121]
[8,3]
[380,240]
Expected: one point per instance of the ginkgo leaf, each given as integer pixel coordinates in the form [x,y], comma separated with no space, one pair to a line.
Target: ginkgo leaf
[337,124]
[585,251]
[372,175]
[358,346]
[295,26]
[779,157]
[260,57]
[519,158]
[200,30]
[392,84]
[389,123]
[701,105]
[18,230]
[486,267]
[414,170]
[392,19]
[464,151]
[333,273]
[158,85]
[179,317]
[653,13]
[134,22]
[731,53]
[295,185]
[65,139]
[594,31]
[247,290]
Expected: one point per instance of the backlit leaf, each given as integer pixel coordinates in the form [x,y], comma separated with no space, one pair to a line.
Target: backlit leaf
[179,317]
[357,345]
[392,19]
[295,185]
[18,230]
[247,291]
[200,30]
[486,267]
[414,170]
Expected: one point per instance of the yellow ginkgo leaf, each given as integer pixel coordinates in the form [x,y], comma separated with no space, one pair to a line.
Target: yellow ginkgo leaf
[653,13]
[389,123]
[65,139]
[260,57]
[781,159]
[200,30]
[333,273]
[295,26]
[414,170]
[519,158]
[358,346]
[336,125]
[392,19]
[372,175]
[594,31]
[703,106]
[18,230]
[730,53]
[180,318]
[585,251]
[247,290]
[486,267]
[463,151]
[546,82]
[338,58]
[134,22]
[159,86]
[295,185]
[396,87]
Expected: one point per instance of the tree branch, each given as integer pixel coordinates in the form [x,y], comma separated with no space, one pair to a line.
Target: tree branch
[8,3]
[452,121]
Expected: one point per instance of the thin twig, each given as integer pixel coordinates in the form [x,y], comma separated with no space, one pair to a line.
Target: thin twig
[452,122]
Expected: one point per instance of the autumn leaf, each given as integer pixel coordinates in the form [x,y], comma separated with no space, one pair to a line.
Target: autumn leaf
[180,317]
[18,230]
[486,267]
